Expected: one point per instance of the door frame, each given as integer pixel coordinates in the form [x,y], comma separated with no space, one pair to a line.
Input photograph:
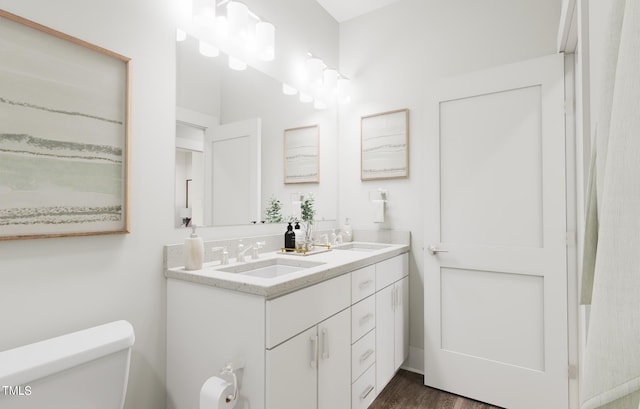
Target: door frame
[573,41]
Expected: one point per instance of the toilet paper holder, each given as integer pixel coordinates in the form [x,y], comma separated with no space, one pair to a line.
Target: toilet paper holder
[230,370]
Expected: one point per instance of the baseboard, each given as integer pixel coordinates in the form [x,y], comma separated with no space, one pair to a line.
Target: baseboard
[415,361]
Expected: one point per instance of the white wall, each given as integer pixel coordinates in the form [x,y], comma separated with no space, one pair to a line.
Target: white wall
[49,287]
[393,57]
[52,286]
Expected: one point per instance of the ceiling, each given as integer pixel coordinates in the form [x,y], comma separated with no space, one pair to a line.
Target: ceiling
[343,10]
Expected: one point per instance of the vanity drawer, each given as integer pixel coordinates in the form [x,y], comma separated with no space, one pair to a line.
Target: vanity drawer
[363,355]
[363,283]
[295,312]
[363,317]
[363,391]
[391,270]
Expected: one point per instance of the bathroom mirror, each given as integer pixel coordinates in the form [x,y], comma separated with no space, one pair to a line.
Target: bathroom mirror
[235,189]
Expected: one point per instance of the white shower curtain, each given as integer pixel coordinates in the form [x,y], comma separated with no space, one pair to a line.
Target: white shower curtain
[611,369]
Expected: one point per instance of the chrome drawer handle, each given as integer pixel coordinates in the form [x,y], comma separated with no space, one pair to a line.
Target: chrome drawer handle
[366,355]
[314,351]
[325,343]
[366,393]
[365,284]
[366,318]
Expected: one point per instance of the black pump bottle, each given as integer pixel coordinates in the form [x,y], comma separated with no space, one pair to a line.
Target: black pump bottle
[289,238]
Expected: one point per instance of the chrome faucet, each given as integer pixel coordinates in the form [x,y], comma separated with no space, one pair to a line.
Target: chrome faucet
[256,247]
[241,251]
[224,255]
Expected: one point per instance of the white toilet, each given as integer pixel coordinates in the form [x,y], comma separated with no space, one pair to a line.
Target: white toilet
[84,369]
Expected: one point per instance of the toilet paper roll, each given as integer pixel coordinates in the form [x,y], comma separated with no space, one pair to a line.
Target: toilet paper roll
[378,211]
[216,393]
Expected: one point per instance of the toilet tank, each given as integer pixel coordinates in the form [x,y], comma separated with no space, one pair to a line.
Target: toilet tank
[87,369]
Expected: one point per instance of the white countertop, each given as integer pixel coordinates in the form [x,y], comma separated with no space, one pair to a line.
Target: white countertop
[334,263]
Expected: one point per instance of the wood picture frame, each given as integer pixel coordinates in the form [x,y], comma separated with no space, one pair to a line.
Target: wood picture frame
[302,155]
[384,145]
[64,134]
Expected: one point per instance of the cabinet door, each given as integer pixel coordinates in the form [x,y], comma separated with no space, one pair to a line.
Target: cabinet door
[401,321]
[385,329]
[334,369]
[292,374]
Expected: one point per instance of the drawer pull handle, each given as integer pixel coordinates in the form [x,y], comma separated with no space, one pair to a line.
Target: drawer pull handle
[365,284]
[314,351]
[367,392]
[366,318]
[325,343]
[366,355]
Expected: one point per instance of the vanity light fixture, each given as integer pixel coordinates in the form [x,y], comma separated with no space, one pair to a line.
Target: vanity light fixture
[204,12]
[315,68]
[237,64]
[238,19]
[266,39]
[232,28]
[320,83]
[288,89]
[207,49]
[306,98]
[344,90]
[330,79]
[319,105]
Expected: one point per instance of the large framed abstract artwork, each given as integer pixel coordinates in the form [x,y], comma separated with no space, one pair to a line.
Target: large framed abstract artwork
[302,155]
[385,145]
[64,108]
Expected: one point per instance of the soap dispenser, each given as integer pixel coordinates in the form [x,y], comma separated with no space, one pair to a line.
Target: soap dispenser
[299,235]
[193,251]
[347,233]
[289,238]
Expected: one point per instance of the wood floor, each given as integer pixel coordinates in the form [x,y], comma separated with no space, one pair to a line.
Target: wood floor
[407,391]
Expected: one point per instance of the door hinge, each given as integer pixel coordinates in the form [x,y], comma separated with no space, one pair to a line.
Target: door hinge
[573,372]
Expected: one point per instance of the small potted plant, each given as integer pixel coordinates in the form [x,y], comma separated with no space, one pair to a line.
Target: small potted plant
[308,213]
[274,211]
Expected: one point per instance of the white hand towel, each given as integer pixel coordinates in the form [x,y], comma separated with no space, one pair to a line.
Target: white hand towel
[378,211]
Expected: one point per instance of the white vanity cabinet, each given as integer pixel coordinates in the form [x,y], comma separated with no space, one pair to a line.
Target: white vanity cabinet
[363,349]
[379,326]
[392,317]
[310,369]
[322,346]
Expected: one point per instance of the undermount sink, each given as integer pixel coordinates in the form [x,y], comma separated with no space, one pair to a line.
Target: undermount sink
[361,246]
[270,268]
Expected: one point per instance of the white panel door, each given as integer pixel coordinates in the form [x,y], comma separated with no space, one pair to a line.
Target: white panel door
[233,154]
[496,275]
